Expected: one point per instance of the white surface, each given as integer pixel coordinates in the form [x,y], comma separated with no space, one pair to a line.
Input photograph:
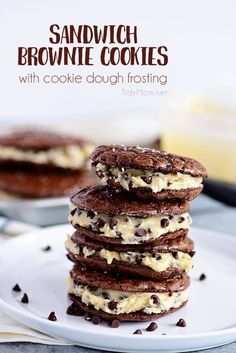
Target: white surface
[40,212]
[210,314]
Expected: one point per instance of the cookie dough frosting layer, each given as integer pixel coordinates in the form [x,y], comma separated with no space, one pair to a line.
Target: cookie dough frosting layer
[158,262]
[134,178]
[131,230]
[44,148]
[119,302]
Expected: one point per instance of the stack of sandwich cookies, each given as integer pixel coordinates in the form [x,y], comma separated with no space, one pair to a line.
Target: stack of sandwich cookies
[138,246]
[36,164]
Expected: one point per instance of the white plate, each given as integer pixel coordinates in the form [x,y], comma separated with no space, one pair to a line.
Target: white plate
[210,314]
[41,212]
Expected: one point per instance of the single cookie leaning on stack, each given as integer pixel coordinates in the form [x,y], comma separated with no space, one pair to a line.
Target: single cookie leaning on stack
[149,173]
[131,255]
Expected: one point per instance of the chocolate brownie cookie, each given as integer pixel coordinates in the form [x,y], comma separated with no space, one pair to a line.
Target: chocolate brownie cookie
[126,298]
[120,217]
[36,184]
[149,173]
[44,149]
[158,262]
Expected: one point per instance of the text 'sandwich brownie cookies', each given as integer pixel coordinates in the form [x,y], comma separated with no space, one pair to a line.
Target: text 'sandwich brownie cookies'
[119,217]
[40,148]
[158,262]
[126,299]
[149,173]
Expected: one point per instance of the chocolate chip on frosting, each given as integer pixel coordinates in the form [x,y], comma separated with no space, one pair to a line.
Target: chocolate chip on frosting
[165,222]
[155,299]
[91,214]
[100,223]
[138,259]
[181,219]
[72,212]
[112,222]
[112,305]
[192,253]
[105,295]
[147,179]
[140,232]
[175,254]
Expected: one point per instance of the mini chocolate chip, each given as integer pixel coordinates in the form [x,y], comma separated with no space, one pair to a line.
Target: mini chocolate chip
[72,212]
[16,288]
[140,232]
[170,294]
[146,179]
[47,248]
[171,217]
[118,234]
[105,295]
[96,320]
[79,212]
[165,222]
[137,332]
[149,231]
[100,223]
[90,214]
[124,175]
[92,288]
[122,296]
[156,256]
[175,254]
[155,299]
[168,183]
[112,305]
[152,327]
[181,219]
[192,253]
[202,277]
[115,323]
[181,323]
[138,259]
[73,309]
[112,222]
[25,299]
[52,316]
[87,317]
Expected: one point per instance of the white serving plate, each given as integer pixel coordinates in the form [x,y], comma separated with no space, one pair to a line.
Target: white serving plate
[40,212]
[210,314]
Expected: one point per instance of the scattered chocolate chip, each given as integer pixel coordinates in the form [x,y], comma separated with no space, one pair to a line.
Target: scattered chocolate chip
[152,327]
[175,254]
[72,212]
[112,305]
[140,232]
[47,248]
[52,316]
[202,277]
[96,320]
[105,295]
[90,214]
[181,323]
[100,223]
[146,179]
[112,222]
[155,299]
[74,310]
[165,222]
[87,317]
[181,219]
[25,299]
[16,288]
[115,323]
[137,332]
[192,253]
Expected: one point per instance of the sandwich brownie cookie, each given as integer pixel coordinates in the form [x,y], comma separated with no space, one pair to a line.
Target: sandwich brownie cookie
[44,149]
[38,184]
[158,262]
[149,173]
[120,217]
[126,298]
